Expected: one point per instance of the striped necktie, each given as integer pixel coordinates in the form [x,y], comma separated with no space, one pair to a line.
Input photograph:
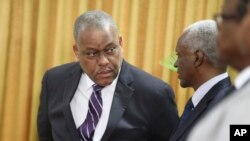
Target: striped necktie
[87,129]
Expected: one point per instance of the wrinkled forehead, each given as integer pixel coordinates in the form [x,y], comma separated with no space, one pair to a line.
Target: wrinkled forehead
[98,31]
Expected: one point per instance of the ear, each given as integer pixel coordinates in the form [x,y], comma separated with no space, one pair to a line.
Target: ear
[121,44]
[75,49]
[199,58]
[120,41]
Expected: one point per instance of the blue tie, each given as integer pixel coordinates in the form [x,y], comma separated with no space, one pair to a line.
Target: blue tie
[87,129]
[188,108]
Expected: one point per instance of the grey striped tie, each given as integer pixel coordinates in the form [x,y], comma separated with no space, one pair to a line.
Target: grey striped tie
[87,129]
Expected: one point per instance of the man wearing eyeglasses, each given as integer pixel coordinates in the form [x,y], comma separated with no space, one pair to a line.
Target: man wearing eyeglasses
[101,97]
[234,48]
[229,24]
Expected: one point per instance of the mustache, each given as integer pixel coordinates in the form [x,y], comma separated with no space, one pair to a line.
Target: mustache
[104,70]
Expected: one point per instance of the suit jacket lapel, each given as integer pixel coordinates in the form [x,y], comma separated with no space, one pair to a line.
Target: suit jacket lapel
[202,106]
[123,93]
[191,118]
[71,84]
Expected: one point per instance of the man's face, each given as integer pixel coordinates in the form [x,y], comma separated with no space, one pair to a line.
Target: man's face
[100,54]
[185,65]
[228,36]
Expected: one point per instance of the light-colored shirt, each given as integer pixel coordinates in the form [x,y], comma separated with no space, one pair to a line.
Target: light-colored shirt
[205,87]
[242,78]
[79,104]
[232,111]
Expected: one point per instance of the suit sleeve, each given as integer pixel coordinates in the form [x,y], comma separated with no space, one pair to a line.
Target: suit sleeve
[165,116]
[43,124]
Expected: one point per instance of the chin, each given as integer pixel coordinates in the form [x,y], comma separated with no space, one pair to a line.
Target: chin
[105,82]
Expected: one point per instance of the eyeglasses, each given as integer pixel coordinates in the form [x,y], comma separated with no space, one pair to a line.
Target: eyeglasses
[219,18]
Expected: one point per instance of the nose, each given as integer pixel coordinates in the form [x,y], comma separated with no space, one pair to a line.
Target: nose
[103,60]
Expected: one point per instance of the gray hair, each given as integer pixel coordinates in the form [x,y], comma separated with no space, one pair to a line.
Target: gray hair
[93,19]
[202,35]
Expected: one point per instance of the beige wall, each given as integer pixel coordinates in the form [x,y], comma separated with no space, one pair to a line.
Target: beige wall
[37,34]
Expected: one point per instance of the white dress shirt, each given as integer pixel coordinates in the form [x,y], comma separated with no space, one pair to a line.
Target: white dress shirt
[79,104]
[205,87]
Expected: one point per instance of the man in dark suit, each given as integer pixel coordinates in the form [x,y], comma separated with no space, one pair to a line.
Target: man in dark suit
[199,68]
[234,48]
[102,97]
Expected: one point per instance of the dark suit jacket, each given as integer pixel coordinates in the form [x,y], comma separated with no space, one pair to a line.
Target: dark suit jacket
[213,96]
[143,108]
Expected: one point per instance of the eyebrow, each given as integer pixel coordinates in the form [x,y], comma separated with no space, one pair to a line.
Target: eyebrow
[91,49]
[106,46]
[110,44]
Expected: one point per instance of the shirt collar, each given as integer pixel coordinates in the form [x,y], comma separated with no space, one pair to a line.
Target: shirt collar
[205,87]
[242,78]
[88,82]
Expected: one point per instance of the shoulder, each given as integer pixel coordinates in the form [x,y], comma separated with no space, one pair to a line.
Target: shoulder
[147,81]
[221,89]
[64,67]
[62,71]
[226,112]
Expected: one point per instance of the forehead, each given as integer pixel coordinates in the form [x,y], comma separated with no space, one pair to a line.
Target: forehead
[230,6]
[180,43]
[179,46]
[95,34]
[182,48]
[98,39]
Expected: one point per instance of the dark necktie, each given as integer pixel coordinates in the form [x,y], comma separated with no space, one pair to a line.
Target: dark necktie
[188,108]
[87,129]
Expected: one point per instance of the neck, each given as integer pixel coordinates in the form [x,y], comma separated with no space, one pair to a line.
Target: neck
[204,76]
